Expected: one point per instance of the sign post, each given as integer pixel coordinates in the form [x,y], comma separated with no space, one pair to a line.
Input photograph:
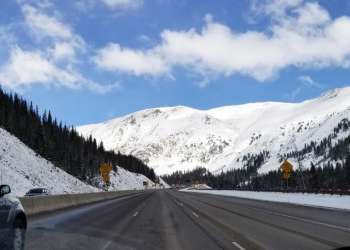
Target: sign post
[287,169]
[105,169]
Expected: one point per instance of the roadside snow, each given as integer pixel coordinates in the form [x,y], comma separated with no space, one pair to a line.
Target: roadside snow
[319,200]
[125,180]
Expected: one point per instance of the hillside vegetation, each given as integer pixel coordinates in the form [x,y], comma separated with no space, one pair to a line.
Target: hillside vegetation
[60,144]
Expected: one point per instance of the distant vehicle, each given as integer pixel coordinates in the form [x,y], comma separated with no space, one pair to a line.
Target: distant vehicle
[13,220]
[37,192]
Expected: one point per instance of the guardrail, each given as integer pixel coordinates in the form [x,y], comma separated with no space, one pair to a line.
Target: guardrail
[41,204]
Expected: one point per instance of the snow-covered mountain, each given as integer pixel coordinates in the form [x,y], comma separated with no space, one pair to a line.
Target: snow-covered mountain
[182,138]
[23,169]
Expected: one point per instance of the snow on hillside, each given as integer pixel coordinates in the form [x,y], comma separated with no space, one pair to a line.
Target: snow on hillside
[23,169]
[125,180]
[162,182]
[182,138]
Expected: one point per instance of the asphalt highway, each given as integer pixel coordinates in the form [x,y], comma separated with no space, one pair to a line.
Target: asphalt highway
[168,219]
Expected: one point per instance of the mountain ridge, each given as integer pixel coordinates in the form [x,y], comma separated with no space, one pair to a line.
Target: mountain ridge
[327,94]
[182,138]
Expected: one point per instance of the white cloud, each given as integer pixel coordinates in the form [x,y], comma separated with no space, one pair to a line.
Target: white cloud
[42,4]
[43,25]
[26,68]
[145,38]
[295,93]
[65,43]
[114,5]
[309,82]
[136,62]
[85,5]
[123,4]
[54,62]
[312,14]
[302,35]
[274,8]
[7,37]
[61,51]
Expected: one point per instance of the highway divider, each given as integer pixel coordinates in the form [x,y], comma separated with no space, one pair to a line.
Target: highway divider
[41,204]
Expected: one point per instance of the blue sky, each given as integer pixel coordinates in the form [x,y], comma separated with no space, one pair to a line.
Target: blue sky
[91,60]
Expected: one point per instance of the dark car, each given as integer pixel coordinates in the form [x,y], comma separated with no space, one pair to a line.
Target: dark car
[37,192]
[13,220]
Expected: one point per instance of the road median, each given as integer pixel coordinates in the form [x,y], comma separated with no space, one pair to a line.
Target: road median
[42,204]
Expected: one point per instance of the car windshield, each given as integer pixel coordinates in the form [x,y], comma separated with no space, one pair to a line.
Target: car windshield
[174,124]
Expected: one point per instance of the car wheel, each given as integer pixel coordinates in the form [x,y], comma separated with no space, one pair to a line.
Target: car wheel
[19,234]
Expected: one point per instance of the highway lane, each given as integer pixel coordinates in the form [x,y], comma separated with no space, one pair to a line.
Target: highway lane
[149,220]
[269,225]
[178,220]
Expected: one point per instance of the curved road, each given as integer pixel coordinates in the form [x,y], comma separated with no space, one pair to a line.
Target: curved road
[173,220]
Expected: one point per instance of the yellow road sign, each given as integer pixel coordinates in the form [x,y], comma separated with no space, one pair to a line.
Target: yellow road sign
[287,167]
[105,168]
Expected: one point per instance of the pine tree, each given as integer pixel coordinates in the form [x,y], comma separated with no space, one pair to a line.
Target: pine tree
[61,145]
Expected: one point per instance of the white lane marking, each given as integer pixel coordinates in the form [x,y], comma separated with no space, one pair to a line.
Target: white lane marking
[107,245]
[135,214]
[194,214]
[312,221]
[238,245]
[179,203]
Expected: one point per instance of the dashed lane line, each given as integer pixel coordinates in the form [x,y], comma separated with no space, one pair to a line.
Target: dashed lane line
[179,203]
[238,245]
[107,245]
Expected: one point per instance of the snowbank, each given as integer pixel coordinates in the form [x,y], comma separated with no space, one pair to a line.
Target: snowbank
[319,200]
